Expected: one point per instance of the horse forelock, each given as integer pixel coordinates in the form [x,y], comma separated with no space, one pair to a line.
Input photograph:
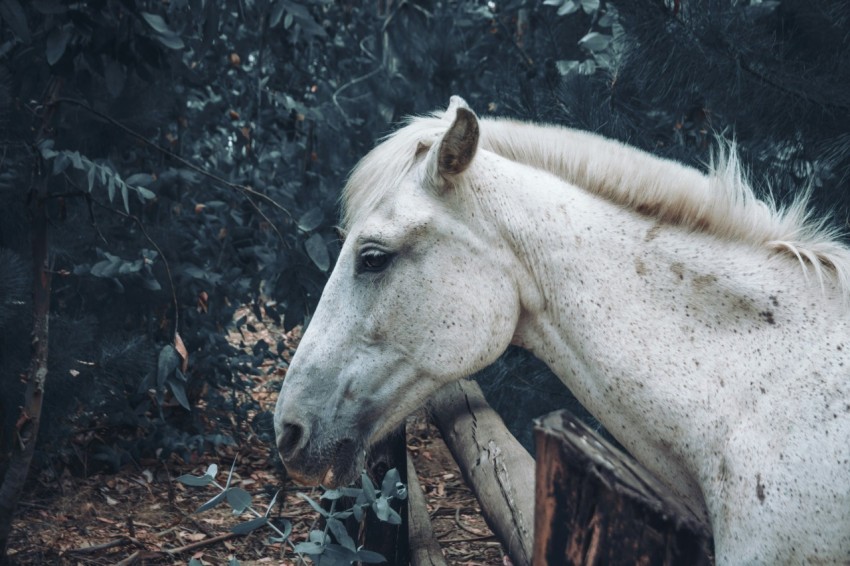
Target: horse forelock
[386,166]
[721,203]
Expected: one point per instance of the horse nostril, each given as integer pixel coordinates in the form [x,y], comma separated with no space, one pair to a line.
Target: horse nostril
[290,438]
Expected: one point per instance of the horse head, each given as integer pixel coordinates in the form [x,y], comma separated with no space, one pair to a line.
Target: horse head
[422,294]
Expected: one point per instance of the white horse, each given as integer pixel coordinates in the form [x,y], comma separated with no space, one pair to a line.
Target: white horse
[707,330]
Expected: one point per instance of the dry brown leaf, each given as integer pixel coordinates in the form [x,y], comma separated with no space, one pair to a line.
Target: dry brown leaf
[181,349]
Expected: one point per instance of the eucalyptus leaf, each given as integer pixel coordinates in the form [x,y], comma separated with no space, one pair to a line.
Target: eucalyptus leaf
[15,17]
[568,7]
[179,391]
[171,40]
[589,6]
[337,529]
[140,179]
[316,507]
[249,526]
[238,499]
[167,361]
[195,481]
[587,67]
[370,557]
[595,41]
[382,508]
[318,251]
[309,547]
[125,196]
[311,219]
[156,22]
[90,177]
[338,555]
[389,483]
[276,14]
[368,487]
[57,42]
[145,194]
[106,268]
[60,163]
[212,502]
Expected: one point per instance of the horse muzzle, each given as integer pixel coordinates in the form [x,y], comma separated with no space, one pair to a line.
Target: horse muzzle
[331,463]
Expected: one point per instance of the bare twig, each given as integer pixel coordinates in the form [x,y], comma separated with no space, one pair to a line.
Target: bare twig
[122,541]
[132,559]
[185,162]
[464,527]
[201,543]
[351,83]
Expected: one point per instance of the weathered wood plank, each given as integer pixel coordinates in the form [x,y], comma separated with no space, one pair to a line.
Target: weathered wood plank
[494,464]
[597,505]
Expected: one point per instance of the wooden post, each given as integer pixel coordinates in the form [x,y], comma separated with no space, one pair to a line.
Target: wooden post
[597,505]
[494,464]
[424,548]
[389,540]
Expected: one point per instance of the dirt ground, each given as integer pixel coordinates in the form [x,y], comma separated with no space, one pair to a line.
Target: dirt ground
[143,516]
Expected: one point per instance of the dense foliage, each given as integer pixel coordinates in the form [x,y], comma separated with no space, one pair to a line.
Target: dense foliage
[193,150]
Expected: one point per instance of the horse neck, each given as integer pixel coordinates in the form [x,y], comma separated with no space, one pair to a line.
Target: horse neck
[583,290]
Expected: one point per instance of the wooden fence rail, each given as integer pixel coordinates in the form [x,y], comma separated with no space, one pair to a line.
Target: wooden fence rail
[591,503]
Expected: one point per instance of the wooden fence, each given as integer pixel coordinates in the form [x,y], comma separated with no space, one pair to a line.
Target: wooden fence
[585,502]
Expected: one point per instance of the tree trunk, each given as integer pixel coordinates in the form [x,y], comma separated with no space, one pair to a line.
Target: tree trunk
[26,427]
[597,505]
[494,464]
[424,548]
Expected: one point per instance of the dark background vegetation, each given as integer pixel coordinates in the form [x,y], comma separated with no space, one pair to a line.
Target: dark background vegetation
[191,154]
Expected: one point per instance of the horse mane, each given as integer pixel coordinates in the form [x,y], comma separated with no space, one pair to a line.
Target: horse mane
[721,203]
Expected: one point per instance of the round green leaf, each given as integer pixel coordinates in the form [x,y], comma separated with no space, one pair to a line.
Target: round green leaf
[318,251]
[238,499]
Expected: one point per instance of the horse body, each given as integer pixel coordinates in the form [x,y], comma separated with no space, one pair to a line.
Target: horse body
[697,340]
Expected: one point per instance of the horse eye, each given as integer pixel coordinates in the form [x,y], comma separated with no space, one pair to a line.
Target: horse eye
[373,260]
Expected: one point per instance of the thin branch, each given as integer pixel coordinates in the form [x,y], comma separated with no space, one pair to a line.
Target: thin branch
[351,83]
[185,162]
[201,543]
[122,541]
[158,249]
[132,559]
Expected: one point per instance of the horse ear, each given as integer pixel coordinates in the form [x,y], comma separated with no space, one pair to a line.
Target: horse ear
[459,144]
[455,102]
